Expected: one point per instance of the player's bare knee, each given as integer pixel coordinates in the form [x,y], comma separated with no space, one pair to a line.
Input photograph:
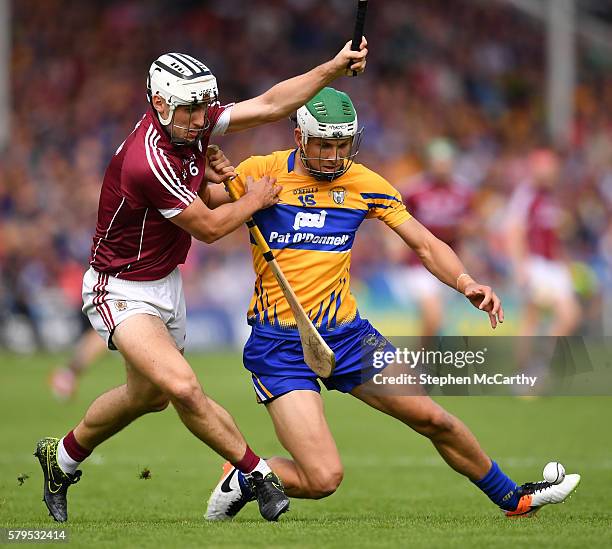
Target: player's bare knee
[186,393]
[159,404]
[435,423]
[147,402]
[324,483]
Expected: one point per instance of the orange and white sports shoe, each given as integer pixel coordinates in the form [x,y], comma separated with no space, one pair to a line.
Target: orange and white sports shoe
[236,489]
[229,496]
[534,495]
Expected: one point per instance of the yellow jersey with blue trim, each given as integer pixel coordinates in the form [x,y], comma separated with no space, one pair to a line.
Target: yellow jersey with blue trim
[311,233]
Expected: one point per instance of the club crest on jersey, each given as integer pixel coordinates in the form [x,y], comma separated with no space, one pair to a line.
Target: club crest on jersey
[338,195]
[121,305]
[303,219]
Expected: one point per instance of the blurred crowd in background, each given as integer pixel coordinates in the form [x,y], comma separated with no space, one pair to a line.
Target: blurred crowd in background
[471,72]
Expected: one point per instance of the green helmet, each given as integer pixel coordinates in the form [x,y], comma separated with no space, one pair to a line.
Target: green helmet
[330,114]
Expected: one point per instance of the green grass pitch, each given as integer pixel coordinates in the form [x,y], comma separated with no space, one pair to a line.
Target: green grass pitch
[397,491]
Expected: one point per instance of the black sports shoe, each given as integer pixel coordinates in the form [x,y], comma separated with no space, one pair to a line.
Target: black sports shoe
[270,495]
[56,481]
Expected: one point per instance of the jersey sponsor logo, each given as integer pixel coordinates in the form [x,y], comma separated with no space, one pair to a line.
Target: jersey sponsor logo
[304,219]
[306,190]
[333,233]
[308,238]
[338,195]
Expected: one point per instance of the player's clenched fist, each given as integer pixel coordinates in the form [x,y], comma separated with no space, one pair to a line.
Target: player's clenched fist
[265,190]
[349,60]
[218,166]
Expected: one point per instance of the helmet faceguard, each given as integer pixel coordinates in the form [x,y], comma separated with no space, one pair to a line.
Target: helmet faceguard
[329,115]
[182,80]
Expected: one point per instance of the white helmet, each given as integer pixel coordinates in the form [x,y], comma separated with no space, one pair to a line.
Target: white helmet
[181,80]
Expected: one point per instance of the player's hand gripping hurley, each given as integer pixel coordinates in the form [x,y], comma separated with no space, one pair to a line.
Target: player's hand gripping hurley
[317,354]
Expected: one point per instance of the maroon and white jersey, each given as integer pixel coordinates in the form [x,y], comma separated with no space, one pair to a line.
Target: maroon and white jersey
[147,182]
[538,211]
[441,207]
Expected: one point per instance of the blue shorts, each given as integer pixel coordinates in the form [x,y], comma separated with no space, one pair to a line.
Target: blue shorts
[277,366]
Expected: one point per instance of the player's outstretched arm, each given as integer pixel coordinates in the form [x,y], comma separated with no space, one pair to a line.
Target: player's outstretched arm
[440,260]
[210,225]
[287,96]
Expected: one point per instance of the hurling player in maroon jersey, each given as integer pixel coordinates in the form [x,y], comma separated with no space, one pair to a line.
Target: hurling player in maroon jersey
[534,219]
[154,198]
[443,204]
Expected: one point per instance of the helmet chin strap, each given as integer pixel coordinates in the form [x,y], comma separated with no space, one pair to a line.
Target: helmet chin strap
[166,121]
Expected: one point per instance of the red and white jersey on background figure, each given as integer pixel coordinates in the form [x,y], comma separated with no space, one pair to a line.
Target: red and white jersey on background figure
[441,207]
[148,181]
[541,215]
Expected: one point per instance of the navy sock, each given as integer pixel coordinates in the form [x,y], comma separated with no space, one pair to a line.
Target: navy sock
[500,489]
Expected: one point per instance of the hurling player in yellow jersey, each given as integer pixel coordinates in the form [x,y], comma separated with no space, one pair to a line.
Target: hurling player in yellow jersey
[325,196]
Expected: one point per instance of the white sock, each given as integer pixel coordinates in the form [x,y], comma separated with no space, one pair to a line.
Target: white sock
[66,463]
[261,467]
